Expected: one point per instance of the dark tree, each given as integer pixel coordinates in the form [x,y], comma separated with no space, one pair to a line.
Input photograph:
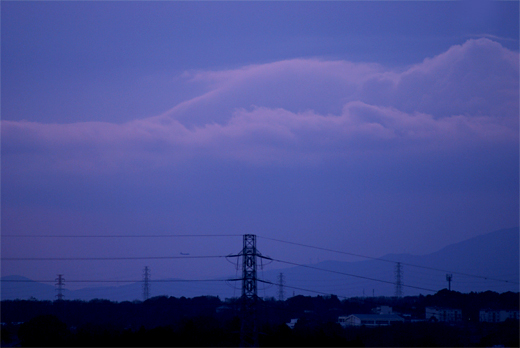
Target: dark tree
[43,331]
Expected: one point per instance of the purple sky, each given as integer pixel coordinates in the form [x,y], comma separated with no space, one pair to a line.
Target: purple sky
[371,128]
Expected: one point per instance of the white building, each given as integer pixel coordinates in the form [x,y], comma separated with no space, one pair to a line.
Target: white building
[449,315]
[292,323]
[382,310]
[492,316]
[369,320]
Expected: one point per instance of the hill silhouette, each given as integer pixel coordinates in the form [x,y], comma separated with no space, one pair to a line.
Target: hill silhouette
[485,262]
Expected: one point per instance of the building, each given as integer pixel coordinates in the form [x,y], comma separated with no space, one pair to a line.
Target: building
[382,310]
[369,320]
[496,316]
[449,315]
[292,323]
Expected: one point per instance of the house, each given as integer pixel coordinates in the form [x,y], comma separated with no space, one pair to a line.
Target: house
[496,316]
[382,310]
[292,323]
[448,315]
[369,320]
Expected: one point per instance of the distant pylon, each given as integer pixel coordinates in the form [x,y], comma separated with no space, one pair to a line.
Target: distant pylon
[146,283]
[281,282]
[59,286]
[398,280]
[448,278]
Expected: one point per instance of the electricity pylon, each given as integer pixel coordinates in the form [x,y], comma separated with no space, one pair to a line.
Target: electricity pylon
[59,286]
[281,282]
[398,280]
[249,298]
[146,283]
[249,330]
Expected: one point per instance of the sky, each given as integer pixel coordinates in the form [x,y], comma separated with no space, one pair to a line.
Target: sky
[367,127]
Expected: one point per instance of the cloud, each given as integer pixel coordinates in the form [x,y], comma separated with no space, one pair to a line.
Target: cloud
[477,78]
[295,112]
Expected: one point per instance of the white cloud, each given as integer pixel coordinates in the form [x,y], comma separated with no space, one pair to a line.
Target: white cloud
[298,111]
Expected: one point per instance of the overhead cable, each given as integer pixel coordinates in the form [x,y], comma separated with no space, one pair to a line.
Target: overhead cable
[384,260]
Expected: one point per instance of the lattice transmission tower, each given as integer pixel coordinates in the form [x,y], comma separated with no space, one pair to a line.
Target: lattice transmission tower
[59,286]
[249,298]
[398,280]
[281,282]
[249,330]
[146,283]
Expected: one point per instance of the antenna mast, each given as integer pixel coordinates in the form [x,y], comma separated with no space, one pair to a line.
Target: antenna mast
[448,278]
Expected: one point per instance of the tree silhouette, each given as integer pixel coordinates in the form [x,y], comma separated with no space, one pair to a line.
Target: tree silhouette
[43,330]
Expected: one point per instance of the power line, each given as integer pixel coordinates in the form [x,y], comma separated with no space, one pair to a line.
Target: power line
[235,235]
[216,256]
[118,235]
[380,259]
[115,281]
[107,258]
[293,287]
[302,289]
[348,274]
[326,249]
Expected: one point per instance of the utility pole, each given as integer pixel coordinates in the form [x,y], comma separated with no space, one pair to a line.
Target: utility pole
[146,283]
[398,280]
[281,282]
[448,278]
[249,330]
[59,286]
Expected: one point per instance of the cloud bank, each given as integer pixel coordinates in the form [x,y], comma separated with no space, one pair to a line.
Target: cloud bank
[297,112]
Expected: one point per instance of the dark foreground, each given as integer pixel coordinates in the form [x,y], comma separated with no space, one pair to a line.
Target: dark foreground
[208,321]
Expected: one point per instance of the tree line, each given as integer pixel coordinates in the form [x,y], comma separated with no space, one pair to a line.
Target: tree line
[210,321]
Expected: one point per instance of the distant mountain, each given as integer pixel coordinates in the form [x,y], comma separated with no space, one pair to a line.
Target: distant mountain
[24,288]
[486,262]
[494,256]
[169,287]
[17,287]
